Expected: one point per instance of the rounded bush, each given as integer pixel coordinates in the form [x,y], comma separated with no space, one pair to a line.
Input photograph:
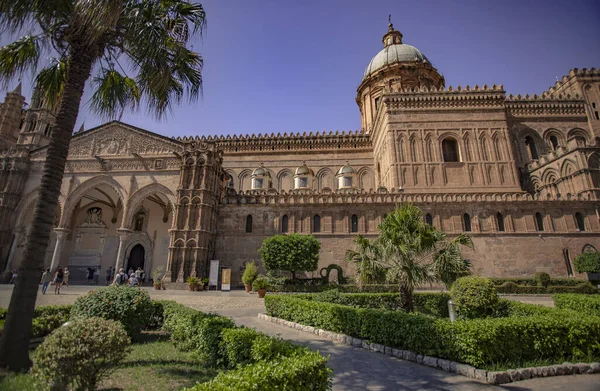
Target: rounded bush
[131,307]
[474,297]
[542,279]
[261,282]
[80,354]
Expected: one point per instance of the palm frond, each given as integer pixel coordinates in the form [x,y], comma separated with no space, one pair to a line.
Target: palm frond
[114,93]
[18,57]
[50,82]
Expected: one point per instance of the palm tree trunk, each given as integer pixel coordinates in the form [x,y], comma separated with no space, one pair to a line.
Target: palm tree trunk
[14,343]
[406,299]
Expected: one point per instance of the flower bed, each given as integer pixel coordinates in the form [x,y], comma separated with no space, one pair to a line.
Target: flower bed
[526,334]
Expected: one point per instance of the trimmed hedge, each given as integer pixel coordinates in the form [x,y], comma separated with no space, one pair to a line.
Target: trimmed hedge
[45,319]
[531,281]
[295,373]
[509,287]
[589,305]
[478,342]
[382,288]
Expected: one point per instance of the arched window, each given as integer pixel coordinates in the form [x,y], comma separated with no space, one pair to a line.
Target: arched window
[467,222]
[580,222]
[429,219]
[317,223]
[500,220]
[284,223]
[354,227]
[450,150]
[248,223]
[554,142]
[531,149]
[139,220]
[539,221]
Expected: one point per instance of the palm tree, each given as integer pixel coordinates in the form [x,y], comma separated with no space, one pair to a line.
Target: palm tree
[138,52]
[413,252]
[367,269]
[448,262]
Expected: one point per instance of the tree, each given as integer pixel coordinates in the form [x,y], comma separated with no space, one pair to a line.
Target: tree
[291,253]
[412,252]
[367,270]
[115,38]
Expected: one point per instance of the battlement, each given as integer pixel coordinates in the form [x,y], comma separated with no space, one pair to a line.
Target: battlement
[545,105]
[283,142]
[575,72]
[384,196]
[445,97]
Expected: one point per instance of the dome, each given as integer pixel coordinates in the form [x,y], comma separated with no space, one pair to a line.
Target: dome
[304,170]
[346,169]
[261,171]
[393,54]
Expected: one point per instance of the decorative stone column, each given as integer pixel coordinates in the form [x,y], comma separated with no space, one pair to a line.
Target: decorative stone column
[61,236]
[123,236]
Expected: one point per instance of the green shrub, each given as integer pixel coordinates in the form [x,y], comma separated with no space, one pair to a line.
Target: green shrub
[296,373]
[589,305]
[474,297]
[236,346]
[207,338]
[250,273]
[265,348]
[130,306]
[52,310]
[181,322]
[261,282]
[291,253]
[80,354]
[45,319]
[155,315]
[515,308]
[542,279]
[587,262]
[583,287]
[530,333]
[507,287]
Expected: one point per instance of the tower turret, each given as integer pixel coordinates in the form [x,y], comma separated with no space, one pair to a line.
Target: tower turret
[11,116]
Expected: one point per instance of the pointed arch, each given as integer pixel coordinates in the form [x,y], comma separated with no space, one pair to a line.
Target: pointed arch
[325,178]
[244,180]
[468,143]
[429,157]
[366,180]
[135,201]
[568,168]
[550,176]
[582,137]
[285,180]
[484,147]
[594,160]
[554,138]
[497,143]
[413,147]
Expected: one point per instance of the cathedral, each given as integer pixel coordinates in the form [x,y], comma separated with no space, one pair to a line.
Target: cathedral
[519,174]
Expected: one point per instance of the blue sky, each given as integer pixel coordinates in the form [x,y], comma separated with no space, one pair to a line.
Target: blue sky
[281,66]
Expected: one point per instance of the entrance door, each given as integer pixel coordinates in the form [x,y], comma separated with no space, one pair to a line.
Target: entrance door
[136,257]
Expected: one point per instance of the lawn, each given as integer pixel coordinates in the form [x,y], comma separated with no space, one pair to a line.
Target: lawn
[153,364]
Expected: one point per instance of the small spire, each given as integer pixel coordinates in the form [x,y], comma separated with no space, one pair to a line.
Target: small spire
[81,128]
[393,36]
[17,89]
[390,25]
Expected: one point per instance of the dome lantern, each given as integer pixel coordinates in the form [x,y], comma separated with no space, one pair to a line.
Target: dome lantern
[346,177]
[261,178]
[392,37]
[303,177]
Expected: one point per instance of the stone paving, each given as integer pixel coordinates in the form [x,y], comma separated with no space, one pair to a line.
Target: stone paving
[354,369]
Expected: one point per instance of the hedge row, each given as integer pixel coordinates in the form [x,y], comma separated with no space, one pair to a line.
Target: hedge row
[382,288]
[45,319]
[531,281]
[589,305]
[479,342]
[261,362]
[511,287]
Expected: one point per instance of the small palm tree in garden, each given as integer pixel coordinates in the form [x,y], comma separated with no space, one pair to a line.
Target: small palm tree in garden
[367,270]
[138,52]
[412,252]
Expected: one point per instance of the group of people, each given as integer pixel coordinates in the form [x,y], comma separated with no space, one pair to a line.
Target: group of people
[60,278]
[133,278]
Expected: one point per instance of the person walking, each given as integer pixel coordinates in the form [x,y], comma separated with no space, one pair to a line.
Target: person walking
[138,274]
[121,278]
[66,279]
[96,275]
[13,278]
[46,277]
[90,272]
[109,274]
[130,272]
[58,280]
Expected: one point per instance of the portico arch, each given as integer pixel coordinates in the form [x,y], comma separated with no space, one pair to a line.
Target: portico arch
[140,238]
[135,201]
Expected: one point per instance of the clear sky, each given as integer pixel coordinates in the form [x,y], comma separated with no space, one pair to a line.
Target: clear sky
[293,66]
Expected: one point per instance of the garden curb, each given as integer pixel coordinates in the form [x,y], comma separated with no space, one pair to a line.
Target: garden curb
[491,377]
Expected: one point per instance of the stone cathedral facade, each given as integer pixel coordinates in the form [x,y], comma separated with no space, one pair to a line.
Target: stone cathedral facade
[520,174]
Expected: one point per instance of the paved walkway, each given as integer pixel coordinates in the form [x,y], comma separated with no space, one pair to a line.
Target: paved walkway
[354,369]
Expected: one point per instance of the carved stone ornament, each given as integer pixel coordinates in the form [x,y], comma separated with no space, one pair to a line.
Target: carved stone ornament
[93,218]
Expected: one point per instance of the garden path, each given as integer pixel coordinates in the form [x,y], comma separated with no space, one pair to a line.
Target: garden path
[354,368]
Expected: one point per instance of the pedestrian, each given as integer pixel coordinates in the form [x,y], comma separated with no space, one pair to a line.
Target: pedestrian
[138,274]
[13,278]
[96,275]
[121,278]
[46,276]
[58,280]
[133,281]
[90,275]
[66,279]
[109,273]
[130,272]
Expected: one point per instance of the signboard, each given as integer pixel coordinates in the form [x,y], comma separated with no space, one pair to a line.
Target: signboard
[226,280]
[213,276]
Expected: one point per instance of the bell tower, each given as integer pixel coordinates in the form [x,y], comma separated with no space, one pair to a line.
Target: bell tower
[11,116]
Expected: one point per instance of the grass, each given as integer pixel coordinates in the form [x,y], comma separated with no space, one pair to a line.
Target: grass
[153,365]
